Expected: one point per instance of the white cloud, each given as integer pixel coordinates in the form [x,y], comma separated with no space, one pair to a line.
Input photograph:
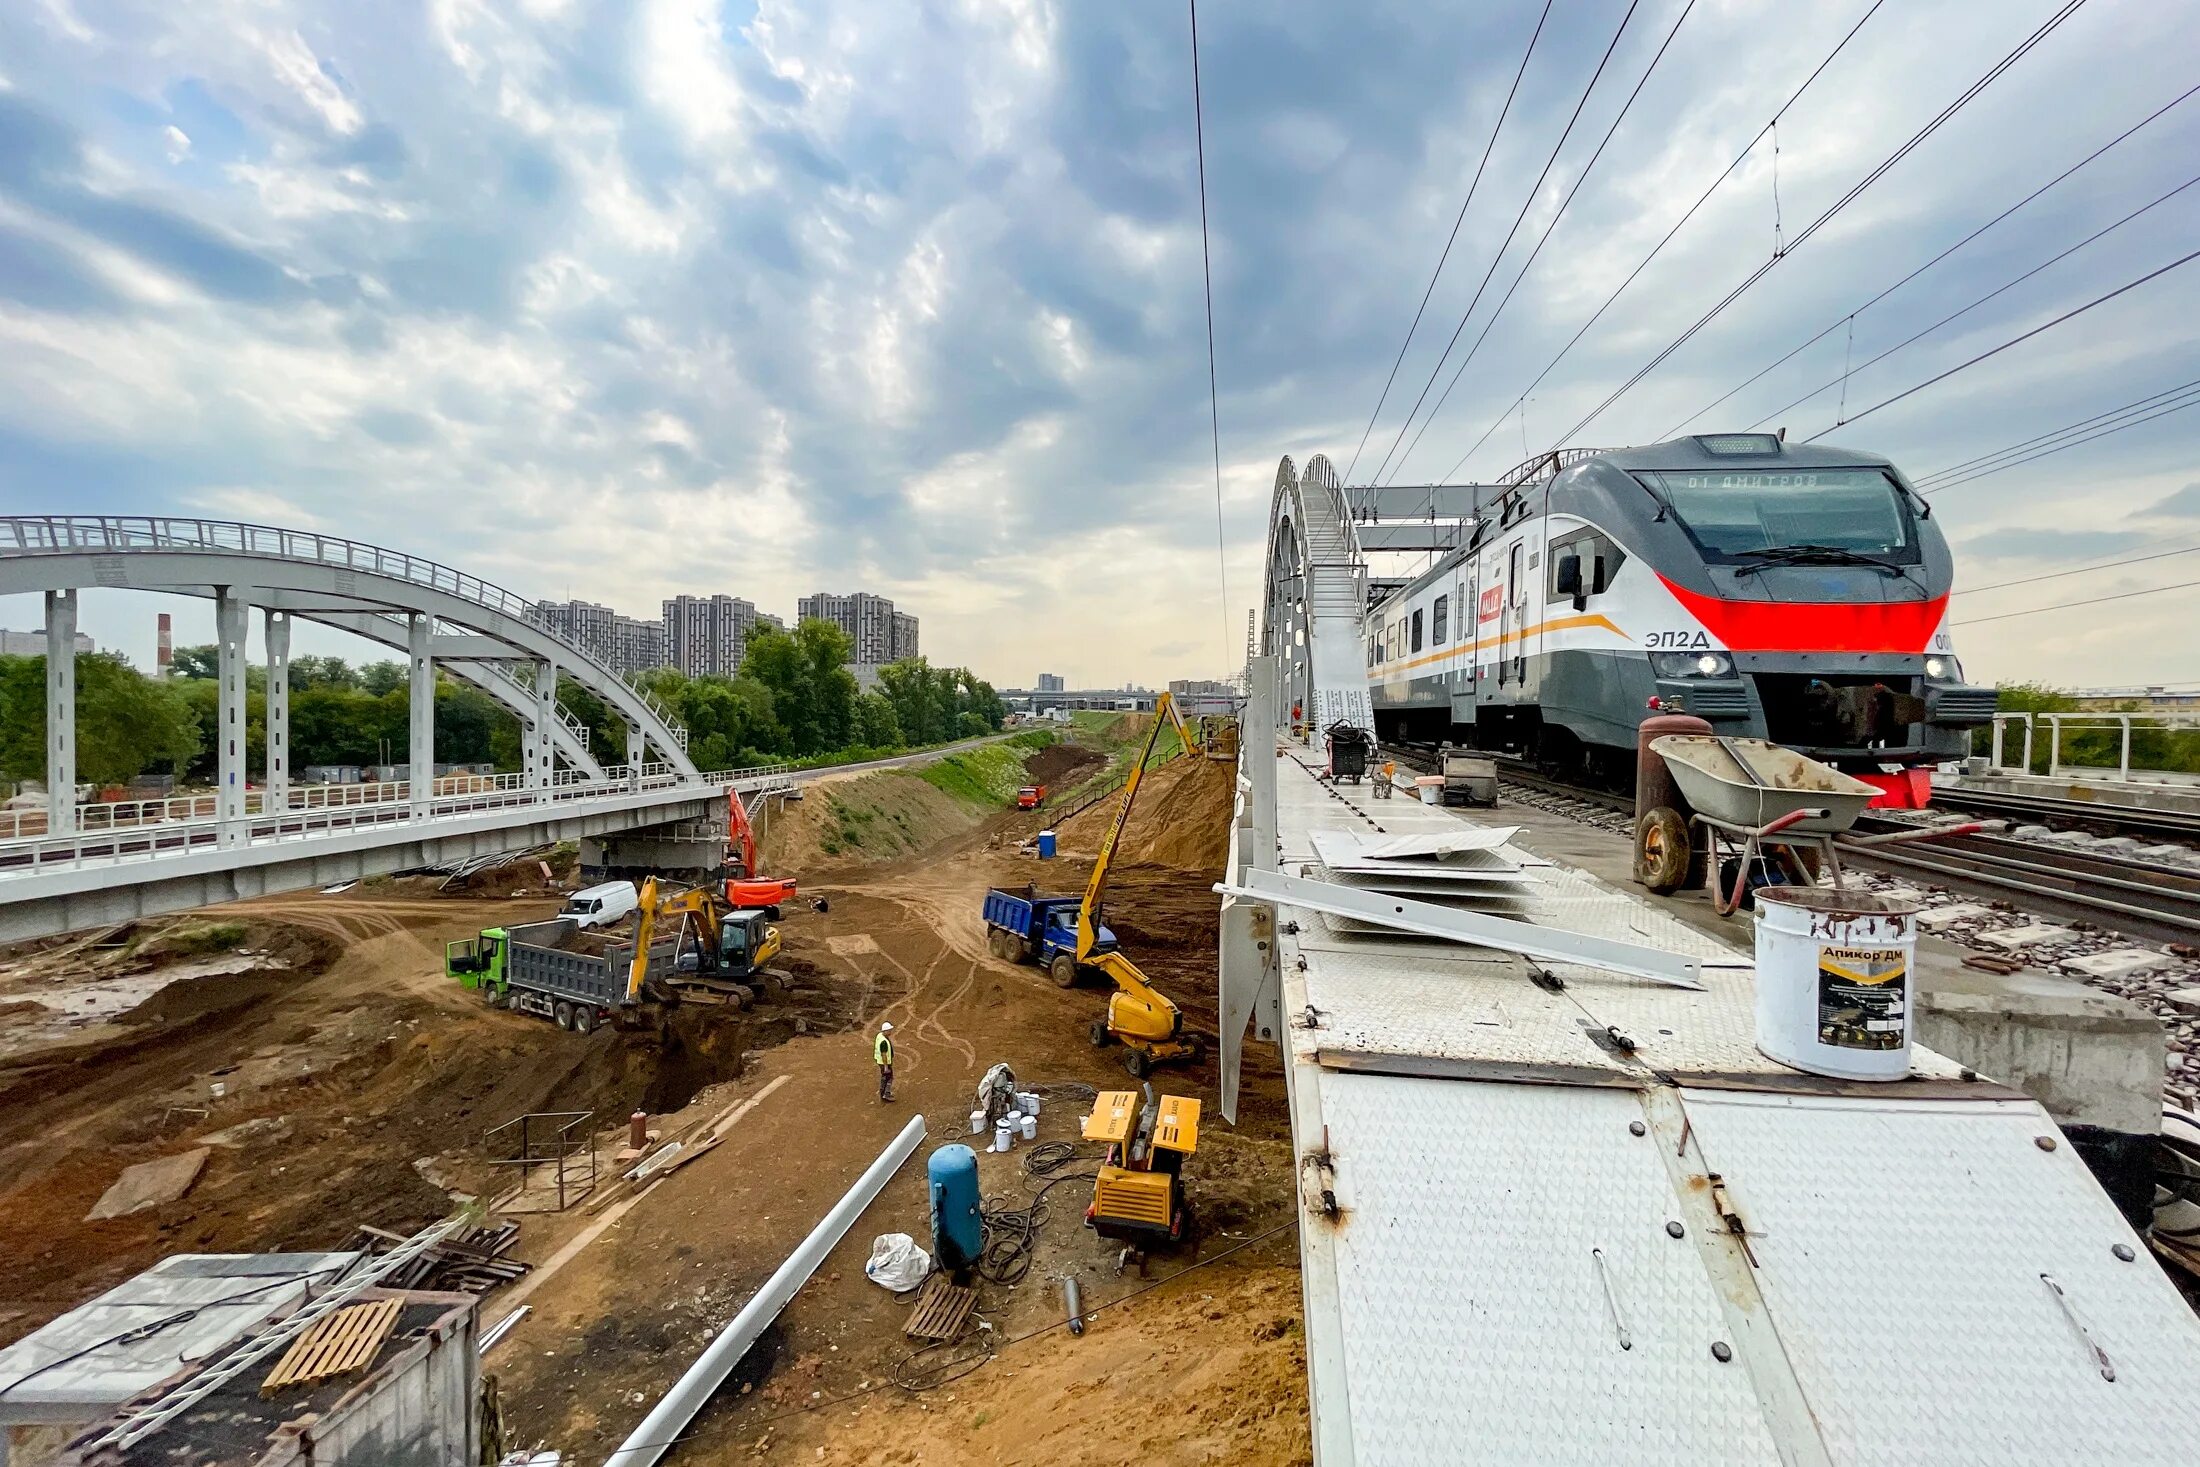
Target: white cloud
[178,143]
[294,64]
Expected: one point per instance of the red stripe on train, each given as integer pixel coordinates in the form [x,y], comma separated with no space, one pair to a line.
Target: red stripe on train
[1814,626]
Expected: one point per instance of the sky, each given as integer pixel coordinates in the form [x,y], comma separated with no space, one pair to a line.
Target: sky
[619,300]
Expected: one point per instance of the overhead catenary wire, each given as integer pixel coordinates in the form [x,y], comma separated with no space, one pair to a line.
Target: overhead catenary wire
[2073,605]
[1207,280]
[1525,204]
[1598,314]
[2007,285]
[1969,463]
[1855,191]
[1472,185]
[2188,399]
[1529,264]
[2071,314]
[2079,570]
[1850,316]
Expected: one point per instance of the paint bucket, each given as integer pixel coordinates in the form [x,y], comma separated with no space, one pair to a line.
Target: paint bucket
[977,1123]
[1431,789]
[1030,1128]
[1001,1137]
[1833,981]
[1046,845]
[1027,1103]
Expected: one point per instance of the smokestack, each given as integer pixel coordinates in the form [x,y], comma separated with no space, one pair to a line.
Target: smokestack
[165,652]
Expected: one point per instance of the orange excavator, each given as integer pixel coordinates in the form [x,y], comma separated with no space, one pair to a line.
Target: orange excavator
[745,890]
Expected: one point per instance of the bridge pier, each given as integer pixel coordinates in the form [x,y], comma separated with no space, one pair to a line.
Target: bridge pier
[275,794]
[636,746]
[420,757]
[60,712]
[232,616]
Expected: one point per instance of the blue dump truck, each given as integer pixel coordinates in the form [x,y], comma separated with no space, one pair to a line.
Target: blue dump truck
[1025,927]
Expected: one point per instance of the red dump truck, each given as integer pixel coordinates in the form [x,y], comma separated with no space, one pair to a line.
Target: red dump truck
[1031,797]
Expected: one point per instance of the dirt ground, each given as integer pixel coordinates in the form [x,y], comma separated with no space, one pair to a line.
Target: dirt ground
[352,1072]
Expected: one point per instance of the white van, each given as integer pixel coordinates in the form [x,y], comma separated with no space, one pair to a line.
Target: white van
[601,906]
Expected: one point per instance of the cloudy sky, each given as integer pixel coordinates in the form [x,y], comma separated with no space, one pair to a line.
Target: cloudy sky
[628,298]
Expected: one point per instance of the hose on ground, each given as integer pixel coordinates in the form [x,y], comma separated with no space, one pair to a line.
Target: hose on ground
[1011,1232]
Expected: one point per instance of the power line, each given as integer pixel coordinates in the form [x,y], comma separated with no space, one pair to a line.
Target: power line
[1853,313]
[2079,570]
[1506,300]
[1207,278]
[1488,148]
[1525,204]
[1655,249]
[1969,463]
[1856,191]
[2074,311]
[2191,400]
[2005,286]
[2072,605]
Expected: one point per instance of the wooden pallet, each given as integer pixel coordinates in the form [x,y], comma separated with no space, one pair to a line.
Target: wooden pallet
[941,1310]
[337,1344]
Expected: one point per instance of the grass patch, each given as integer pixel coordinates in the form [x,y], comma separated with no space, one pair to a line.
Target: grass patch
[989,775]
[210,937]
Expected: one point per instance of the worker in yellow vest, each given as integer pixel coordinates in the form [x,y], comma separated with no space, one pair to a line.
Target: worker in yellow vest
[882,1053]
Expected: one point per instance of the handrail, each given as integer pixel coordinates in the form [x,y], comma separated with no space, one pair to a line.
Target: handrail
[65,534]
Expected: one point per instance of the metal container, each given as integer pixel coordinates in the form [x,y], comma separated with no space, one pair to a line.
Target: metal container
[1003,1136]
[1030,1128]
[958,1234]
[1833,981]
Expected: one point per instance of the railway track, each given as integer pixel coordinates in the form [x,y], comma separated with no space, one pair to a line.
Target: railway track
[2147,900]
[2133,820]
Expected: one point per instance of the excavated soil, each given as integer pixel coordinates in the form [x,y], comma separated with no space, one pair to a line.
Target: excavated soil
[1060,767]
[1182,818]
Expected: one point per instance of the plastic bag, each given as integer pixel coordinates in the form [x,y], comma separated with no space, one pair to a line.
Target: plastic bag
[897,1263]
[996,1093]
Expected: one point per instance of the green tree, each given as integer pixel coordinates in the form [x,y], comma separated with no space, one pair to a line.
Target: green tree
[384,677]
[126,722]
[321,672]
[199,661]
[812,692]
[877,725]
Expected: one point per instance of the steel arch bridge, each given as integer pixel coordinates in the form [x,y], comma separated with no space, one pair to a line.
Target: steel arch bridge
[69,865]
[1314,596]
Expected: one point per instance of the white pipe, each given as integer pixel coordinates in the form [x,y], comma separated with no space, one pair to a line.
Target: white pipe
[670,1416]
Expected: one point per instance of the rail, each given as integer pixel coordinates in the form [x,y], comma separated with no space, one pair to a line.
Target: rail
[66,534]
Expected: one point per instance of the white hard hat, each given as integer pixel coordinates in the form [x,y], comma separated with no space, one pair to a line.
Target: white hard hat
[885,1028]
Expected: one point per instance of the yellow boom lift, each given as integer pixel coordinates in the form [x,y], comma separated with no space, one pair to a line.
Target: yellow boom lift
[1140,1016]
[731,947]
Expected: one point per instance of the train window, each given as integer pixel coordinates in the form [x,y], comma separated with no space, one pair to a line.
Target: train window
[1736,517]
[1600,561]
[1441,619]
[1512,575]
[1416,632]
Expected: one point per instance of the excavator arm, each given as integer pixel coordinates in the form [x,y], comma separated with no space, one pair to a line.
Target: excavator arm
[700,903]
[1184,734]
[1088,912]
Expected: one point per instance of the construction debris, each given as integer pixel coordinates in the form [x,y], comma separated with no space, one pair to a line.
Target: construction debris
[338,1344]
[149,1184]
[472,1262]
[941,1310]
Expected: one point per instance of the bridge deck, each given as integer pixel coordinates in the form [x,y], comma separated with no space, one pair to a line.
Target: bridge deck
[1514,1250]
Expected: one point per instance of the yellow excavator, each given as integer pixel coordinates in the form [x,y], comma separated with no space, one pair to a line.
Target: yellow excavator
[1140,1017]
[730,952]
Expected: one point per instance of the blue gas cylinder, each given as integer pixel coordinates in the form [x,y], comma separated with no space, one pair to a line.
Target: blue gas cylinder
[958,1237]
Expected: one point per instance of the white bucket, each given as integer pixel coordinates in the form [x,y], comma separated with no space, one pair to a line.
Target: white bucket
[977,1123]
[1027,1103]
[1001,1137]
[1030,1128]
[1834,981]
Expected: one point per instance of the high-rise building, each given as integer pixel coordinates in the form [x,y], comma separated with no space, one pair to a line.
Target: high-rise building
[709,635]
[905,636]
[622,643]
[1050,682]
[33,644]
[870,621]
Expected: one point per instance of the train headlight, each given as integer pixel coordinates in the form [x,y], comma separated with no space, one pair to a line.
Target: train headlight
[1691,664]
[1938,668]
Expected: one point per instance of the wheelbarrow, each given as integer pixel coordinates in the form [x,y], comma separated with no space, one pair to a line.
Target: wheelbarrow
[1765,808]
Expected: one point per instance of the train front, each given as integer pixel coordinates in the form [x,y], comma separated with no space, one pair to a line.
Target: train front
[1802,597]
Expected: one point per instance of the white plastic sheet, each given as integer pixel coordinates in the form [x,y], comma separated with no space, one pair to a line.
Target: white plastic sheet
[897,1263]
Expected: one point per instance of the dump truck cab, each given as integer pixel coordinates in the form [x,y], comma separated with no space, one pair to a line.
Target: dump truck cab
[1026,927]
[1138,1195]
[1031,796]
[478,962]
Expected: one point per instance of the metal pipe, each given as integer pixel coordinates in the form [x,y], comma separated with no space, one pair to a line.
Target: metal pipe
[670,1416]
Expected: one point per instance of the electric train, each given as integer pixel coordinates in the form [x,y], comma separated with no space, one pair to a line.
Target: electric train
[1789,592]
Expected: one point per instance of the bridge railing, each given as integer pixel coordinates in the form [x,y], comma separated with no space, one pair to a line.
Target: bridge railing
[49,534]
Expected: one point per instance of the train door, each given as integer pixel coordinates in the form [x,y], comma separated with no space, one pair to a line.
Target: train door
[1512,605]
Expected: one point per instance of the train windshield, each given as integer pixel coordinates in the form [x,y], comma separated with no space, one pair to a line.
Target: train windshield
[1734,516]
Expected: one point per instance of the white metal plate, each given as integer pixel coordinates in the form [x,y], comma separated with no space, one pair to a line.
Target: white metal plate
[1478,1327]
[1900,1247]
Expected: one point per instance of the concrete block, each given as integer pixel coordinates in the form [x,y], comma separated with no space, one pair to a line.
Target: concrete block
[2032,934]
[1940,919]
[2186,999]
[2117,962]
[2088,1056]
[149,1184]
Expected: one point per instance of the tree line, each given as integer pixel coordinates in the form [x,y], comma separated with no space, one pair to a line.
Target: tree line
[793,699]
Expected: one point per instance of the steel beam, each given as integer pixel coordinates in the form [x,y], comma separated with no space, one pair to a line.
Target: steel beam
[277,787]
[232,618]
[420,759]
[1251,989]
[1476,929]
[60,712]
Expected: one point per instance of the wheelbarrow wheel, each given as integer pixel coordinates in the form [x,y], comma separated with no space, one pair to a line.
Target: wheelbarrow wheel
[1666,860]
